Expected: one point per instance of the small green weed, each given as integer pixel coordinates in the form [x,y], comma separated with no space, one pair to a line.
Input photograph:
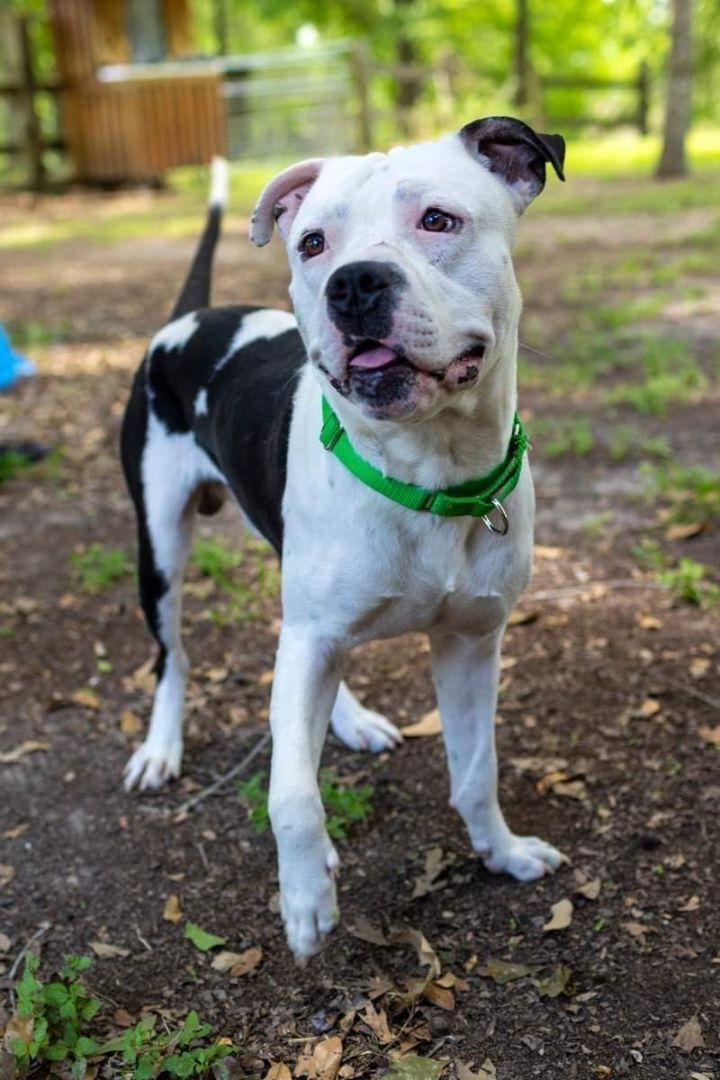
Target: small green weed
[12,463]
[692,492]
[686,580]
[627,441]
[52,1021]
[217,561]
[659,391]
[564,435]
[99,568]
[344,804]
[254,794]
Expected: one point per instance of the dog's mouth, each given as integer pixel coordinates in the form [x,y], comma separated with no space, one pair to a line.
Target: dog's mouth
[369,355]
[389,383]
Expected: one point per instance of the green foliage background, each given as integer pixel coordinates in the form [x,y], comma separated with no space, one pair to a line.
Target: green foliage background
[591,38]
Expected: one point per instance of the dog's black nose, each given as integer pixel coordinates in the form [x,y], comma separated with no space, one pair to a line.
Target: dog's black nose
[358,288]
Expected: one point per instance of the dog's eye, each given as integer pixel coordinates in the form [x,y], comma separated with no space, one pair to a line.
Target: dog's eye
[311,245]
[434,220]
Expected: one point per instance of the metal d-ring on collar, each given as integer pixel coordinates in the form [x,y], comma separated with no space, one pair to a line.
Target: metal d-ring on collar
[504,519]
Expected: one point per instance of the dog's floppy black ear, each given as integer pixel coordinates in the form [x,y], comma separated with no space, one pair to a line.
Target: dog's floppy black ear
[515,152]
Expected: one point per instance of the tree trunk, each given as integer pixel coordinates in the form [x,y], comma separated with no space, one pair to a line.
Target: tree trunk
[522,62]
[679,93]
[222,36]
[408,80]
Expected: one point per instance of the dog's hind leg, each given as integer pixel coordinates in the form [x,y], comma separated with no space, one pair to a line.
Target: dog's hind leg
[162,477]
[360,728]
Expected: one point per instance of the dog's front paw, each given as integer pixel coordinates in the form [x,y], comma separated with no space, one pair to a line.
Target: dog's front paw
[525,858]
[309,909]
[362,729]
[153,764]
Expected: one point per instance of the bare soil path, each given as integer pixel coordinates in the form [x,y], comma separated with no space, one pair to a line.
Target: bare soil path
[608,726]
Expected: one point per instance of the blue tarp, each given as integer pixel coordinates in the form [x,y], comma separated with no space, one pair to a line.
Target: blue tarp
[13,366]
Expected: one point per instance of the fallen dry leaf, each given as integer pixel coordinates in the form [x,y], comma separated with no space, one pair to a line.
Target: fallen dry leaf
[7,873]
[699,666]
[561,917]
[689,1037]
[238,964]
[711,735]
[649,708]
[589,889]
[278,1071]
[30,746]
[324,1062]
[363,929]
[172,911]
[520,616]
[429,724]
[542,551]
[649,622]
[106,951]
[426,955]
[435,864]
[636,929]
[691,905]
[377,1021]
[684,531]
[14,833]
[506,971]
[412,1067]
[130,724]
[440,996]
[487,1071]
[555,983]
[87,699]
[5,943]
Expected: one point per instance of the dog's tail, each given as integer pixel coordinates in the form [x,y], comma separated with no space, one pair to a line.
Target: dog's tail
[195,292]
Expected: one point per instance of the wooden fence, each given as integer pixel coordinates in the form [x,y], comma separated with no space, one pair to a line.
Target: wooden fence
[133,121]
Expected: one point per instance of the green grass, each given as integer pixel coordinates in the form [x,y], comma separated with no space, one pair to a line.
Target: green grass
[171,215]
[244,600]
[11,464]
[215,560]
[345,805]
[628,441]
[686,578]
[692,493]
[563,435]
[55,1025]
[660,391]
[98,567]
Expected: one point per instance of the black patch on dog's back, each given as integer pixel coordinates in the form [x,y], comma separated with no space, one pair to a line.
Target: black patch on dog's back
[249,399]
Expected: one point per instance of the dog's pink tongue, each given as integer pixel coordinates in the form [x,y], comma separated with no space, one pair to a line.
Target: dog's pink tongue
[374,358]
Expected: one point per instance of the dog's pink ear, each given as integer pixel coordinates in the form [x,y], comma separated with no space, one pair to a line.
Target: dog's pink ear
[281,199]
[516,153]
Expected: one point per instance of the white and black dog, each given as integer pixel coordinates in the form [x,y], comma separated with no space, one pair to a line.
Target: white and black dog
[403,351]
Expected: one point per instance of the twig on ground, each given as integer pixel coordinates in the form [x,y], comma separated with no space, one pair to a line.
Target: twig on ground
[184,810]
[709,699]
[21,955]
[568,591]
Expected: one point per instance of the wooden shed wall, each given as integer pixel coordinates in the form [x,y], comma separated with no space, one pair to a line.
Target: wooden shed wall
[137,129]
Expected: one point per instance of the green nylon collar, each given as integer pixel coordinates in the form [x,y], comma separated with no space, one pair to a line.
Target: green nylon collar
[475,498]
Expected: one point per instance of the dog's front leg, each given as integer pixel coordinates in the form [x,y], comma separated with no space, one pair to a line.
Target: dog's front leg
[466,674]
[304,688]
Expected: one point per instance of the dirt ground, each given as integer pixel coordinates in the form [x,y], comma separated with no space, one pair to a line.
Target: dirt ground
[608,725]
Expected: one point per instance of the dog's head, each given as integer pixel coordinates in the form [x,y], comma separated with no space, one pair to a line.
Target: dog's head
[402,278]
